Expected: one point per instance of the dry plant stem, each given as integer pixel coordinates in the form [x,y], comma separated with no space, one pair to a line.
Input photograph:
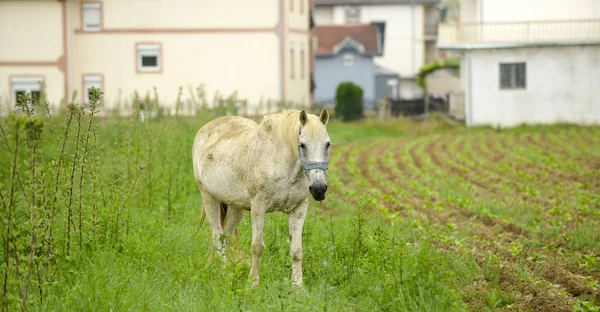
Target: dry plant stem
[32,216]
[96,183]
[72,182]
[52,125]
[83,159]
[125,200]
[9,218]
[53,207]
[10,151]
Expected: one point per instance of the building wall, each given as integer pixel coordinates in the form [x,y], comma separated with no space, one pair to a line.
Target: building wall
[537,10]
[330,72]
[469,11]
[517,10]
[323,15]
[242,62]
[119,14]
[31,44]
[570,95]
[297,39]
[382,88]
[298,86]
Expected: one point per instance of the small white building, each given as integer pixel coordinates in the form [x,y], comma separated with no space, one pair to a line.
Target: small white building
[525,62]
[408,28]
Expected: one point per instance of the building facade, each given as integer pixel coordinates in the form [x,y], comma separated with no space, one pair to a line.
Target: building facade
[345,53]
[523,65]
[261,50]
[409,32]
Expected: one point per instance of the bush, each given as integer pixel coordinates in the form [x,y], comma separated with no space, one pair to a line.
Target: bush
[349,101]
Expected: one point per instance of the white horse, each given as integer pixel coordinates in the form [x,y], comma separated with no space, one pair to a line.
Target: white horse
[241,165]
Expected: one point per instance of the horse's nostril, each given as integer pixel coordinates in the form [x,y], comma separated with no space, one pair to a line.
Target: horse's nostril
[310,188]
[325,187]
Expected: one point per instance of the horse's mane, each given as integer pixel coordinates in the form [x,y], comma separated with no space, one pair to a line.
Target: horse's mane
[287,127]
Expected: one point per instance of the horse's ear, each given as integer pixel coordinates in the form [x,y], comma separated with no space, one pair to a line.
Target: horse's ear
[324,117]
[303,117]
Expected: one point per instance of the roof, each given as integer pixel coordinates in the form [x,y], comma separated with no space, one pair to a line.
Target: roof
[363,37]
[373,2]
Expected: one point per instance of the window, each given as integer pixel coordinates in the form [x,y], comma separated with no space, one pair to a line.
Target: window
[302,64]
[91,16]
[513,76]
[88,82]
[393,89]
[292,67]
[352,14]
[349,59]
[148,57]
[23,85]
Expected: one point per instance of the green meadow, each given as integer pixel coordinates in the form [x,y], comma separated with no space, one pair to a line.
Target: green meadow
[102,214]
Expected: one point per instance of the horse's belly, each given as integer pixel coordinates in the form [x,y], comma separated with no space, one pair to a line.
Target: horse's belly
[223,184]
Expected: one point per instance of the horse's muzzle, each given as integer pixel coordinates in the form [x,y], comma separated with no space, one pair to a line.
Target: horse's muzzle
[318,191]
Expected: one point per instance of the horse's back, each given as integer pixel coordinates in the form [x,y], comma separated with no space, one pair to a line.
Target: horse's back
[217,155]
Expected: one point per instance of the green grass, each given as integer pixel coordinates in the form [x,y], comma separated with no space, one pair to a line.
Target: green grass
[139,252]
[140,209]
[160,266]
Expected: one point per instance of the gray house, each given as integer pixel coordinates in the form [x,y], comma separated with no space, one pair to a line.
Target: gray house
[345,53]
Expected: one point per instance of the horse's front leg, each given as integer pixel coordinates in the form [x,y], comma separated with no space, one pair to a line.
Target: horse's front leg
[296,223]
[258,219]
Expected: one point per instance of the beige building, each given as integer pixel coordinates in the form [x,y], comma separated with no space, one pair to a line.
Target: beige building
[260,49]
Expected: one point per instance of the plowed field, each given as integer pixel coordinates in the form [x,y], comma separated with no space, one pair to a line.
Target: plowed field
[526,204]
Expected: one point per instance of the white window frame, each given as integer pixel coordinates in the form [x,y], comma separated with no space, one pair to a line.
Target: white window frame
[91,10]
[349,59]
[352,14]
[149,50]
[90,81]
[25,84]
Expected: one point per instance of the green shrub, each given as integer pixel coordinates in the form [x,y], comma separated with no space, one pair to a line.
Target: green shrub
[349,101]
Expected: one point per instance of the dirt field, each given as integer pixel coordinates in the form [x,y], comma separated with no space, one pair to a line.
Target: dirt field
[525,203]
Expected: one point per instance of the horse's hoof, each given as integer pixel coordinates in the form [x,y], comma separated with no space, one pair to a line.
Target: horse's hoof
[254,281]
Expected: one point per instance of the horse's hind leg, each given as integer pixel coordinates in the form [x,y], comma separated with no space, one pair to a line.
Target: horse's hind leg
[212,208]
[232,219]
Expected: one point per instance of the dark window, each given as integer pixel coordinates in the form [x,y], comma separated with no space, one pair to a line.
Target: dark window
[149,61]
[35,96]
[19,93]
[513,76]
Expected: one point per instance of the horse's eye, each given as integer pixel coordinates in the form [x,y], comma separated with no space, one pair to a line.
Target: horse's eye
[328,144]
[302,145]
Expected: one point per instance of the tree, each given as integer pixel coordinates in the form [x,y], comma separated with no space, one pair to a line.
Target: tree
[349,101]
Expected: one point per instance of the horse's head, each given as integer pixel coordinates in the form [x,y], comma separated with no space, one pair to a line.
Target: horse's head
[313,150]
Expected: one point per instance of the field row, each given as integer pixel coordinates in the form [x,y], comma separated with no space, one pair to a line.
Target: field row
[525,204]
